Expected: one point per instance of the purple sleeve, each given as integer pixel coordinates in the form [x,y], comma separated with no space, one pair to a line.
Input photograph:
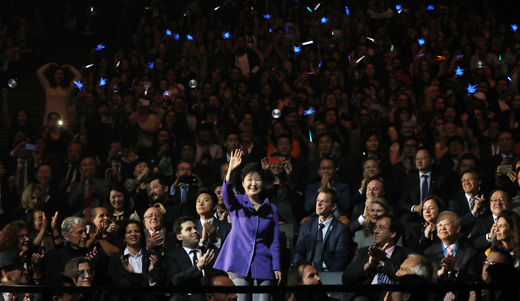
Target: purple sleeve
[275,245]
[229,196]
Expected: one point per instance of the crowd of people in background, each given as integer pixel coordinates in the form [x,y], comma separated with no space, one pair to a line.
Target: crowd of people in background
[244,143]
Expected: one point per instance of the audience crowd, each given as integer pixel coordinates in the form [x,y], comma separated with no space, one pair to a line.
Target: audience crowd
[244,143]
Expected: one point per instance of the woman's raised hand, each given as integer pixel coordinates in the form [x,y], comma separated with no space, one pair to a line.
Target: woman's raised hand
[236,159]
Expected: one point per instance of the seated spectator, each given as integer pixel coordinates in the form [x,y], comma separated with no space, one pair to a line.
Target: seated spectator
[361,212]
[424,236]
[162,152]
[280,189]
[40,156]
[187,264]
[137,185]
[74,231]
[326,149]
[303,273]
[416,264]
[452,260]
[327,172]
[56,134]
[496,256]
[158,240]
[68,173]
[231,143]
[324,240]
[32,197]
[367,266]
[40,238]
[185,188]
[483,232]
[213,230]
[365,236]
[470,206]
[90,192]
[135,258]
[283,146]
[251,149]
[207,150]
[81,271]
[52,193]
[119,205]
[21,165]
[218,278]
[507,231]
[60,281]
[13,272]
[118,170]
[159,196]
[419,184]
[414,295]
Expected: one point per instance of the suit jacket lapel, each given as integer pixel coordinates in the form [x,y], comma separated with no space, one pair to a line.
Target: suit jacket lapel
[198,225]
[329,230]
[314,232]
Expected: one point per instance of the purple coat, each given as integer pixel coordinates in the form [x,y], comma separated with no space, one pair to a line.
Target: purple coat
[252,245]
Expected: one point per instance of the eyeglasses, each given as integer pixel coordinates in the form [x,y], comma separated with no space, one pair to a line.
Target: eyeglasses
[487,262]
[380,228]
[153,215]
[421,158]
[84,273]
[447,225]
[501,200]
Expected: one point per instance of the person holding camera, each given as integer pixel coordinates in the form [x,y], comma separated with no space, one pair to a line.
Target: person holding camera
[185,188]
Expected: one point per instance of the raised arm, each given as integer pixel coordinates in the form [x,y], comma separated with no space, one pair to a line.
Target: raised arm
[41,76]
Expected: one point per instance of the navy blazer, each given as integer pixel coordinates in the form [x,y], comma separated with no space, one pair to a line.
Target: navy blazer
[222,228]
[342,189]
[336,245]
[460,206]
[479,233]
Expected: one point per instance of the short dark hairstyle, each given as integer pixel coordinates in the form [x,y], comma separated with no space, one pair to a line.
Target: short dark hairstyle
[212,274]
[333,195]
[162,179]
[395,225]
[506,254]
[327,158]
[251,168]
[325,134]
[469,156]
[177,226]
[440,203]
[282,136]
[182,161]
[495,190]
[211,193]
[125,224]
[295,275]
[470,170]
[41,165]
[429,151]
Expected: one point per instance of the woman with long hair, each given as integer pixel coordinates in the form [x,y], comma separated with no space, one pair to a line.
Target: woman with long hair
[32,197]
[119,206]
[365,236]
[425,235]
[58,83]
[43,240]
[81,270]
[507,230]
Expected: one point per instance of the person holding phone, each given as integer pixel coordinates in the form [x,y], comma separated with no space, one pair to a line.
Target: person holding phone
[185,188]
[255,229]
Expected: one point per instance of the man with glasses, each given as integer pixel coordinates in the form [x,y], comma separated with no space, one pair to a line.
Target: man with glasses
[471,205]
[408,149]
[483,232]
[158,240]
[377,264]
[452,260]
[13,273]
[327,171]
[419,184]
[495,179]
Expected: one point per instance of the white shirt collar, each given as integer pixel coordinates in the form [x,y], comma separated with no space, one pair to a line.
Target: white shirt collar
[128,252]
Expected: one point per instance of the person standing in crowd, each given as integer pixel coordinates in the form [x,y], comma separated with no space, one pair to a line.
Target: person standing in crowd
[259,262]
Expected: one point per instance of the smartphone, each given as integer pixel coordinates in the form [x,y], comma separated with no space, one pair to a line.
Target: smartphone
[275,160]
[30,146]
[122,152]
[505,169]
[152,165]
[188,180]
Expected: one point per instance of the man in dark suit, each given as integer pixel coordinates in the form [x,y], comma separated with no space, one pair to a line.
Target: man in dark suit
[452,260]
[213,231]
[323,240]
[74,232]
[158,239]
[375,189]
[377,264]
[231,143]
[53,194]
[284,145]
[483,232]
[254,150]
[90,192]
[114,161]
[506,156]
[21,165]
[187,264]
[327,172]
[66,174]
[424,182]
[469,207]
[183,192]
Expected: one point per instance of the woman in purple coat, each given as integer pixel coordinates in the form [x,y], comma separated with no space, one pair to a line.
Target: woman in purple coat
[251,252]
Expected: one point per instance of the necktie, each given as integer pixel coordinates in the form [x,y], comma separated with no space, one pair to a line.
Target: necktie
[424,187]
[449,251]
[20,183]
[471,203]
[449,295]
[116,166]
[318,248]
[88,203]
[184,193]
[72,171]
[194,258]
[383,278]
